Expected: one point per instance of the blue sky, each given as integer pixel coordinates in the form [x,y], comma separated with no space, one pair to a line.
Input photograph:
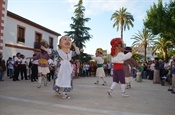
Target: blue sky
[56,15]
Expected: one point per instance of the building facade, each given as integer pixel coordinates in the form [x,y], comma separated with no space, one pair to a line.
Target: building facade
[19,34]
[3,10]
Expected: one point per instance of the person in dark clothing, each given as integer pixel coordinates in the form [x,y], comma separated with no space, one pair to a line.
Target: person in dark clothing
[2,67]
[17,61]
[156,78]
[162,71]
[8,73]
[50,75]
[33,65]
[23,68]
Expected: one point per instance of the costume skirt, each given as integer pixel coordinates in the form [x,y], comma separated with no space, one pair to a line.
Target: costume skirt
[43,70]
[100,72]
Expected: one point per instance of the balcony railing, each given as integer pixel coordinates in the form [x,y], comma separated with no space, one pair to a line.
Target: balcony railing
[51,47]
[21,40]
[37,45]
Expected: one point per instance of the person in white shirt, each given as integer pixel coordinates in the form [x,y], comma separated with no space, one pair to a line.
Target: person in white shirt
[23,68]
[10,67]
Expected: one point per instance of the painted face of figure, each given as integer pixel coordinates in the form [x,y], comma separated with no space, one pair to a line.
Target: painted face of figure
[65,42]
[99,52]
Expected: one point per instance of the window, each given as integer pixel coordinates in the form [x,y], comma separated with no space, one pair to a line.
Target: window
[38,37]
[20,34]
[50,42]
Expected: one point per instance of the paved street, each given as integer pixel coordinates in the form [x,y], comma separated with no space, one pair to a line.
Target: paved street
[24,98]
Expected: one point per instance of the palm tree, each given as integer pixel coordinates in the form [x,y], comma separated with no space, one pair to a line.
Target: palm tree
[122,19]
[144,39]
[162,45]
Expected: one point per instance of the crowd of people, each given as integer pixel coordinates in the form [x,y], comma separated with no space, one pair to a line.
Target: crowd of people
[58,65]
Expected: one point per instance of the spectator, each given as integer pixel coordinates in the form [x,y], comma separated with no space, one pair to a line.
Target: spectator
[2,67]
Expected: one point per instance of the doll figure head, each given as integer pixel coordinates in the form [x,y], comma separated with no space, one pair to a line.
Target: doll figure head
[65,42]
[45,44]
[99,52]
[116,46]
[127,49]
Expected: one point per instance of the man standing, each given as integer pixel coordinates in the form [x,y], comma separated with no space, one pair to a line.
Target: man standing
[2,67]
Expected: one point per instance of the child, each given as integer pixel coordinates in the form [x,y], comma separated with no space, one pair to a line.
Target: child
[138,76]
[100,70]
[63,67]
[118,58]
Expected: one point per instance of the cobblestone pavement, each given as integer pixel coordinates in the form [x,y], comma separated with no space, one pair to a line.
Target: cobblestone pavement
[24,98]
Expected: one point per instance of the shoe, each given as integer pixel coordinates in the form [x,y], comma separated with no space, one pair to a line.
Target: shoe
[104,83]
[59,93]
[127,87]
[125,94]
[173,92]
[39,86]
[170,89]
[97,82]
[66,96]
[45,84]
[109,92]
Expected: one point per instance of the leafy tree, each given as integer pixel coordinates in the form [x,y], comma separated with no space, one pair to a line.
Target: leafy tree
[79,32]
[161,20]
[162,45]
[122,19]
[144,39]
[136,56]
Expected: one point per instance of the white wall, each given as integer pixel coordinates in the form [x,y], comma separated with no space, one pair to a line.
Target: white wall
[10,37]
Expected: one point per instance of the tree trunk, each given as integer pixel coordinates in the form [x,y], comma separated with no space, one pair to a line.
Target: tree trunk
[121,31]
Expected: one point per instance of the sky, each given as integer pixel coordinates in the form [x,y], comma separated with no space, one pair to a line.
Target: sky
[56,15]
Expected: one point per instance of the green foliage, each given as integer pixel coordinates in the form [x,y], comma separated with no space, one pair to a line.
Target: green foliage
[137,57]
[122,19]
[143,39]
[163,46]
[161,20]
[79,32]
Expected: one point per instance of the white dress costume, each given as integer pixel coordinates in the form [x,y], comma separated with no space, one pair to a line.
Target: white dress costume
[63,70]
[100,70]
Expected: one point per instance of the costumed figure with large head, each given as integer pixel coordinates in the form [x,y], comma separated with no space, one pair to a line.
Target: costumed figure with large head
[117,59]
[43,66]
[100,61]
[63,68]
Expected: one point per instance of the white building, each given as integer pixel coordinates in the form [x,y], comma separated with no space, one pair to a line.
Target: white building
[22,35]
[141,51]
